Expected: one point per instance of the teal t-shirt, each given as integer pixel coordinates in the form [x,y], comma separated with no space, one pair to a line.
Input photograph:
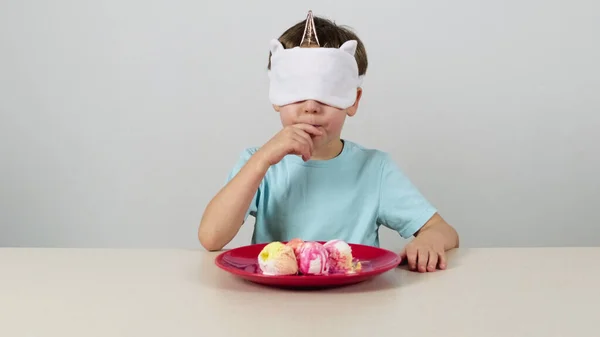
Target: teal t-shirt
[347,197]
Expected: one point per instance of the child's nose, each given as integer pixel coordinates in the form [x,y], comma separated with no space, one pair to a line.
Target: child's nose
[311,106]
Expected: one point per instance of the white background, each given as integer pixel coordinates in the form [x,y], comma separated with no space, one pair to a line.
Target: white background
[121,119]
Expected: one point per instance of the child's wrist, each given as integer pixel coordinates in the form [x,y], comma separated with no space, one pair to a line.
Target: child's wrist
[259,164]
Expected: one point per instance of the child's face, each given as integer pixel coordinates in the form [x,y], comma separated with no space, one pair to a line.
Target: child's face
[328,119]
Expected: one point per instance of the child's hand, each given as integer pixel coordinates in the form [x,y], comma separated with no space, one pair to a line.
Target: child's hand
[295,139]
[426,252]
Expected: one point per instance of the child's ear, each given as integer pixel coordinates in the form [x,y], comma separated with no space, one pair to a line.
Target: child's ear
[351,111]
[276,107]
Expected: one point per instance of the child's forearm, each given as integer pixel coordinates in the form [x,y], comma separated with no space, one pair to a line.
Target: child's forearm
[444,231]
[225,213]
[451,239]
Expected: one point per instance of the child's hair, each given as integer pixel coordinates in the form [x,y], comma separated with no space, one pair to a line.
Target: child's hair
[330,35]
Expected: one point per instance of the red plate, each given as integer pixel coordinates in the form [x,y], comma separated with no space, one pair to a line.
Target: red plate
[243,262]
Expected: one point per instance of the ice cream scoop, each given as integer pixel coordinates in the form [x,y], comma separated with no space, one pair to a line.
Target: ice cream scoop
[312,259]
[295,244]
[340,257]
[277,259]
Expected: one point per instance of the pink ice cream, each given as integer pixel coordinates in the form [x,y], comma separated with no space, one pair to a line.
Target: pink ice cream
[313,259]
[340,257]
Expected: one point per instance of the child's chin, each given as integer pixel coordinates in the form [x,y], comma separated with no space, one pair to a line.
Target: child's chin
[320,141]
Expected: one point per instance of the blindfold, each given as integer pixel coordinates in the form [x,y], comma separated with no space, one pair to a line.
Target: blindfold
[327,75]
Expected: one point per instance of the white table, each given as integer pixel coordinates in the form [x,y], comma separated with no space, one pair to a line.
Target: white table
[485,292]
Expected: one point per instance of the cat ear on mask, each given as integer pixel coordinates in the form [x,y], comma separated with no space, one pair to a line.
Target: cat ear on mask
[275,46]
[349,47]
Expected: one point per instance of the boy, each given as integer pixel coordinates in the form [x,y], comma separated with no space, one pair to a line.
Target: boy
[309,183]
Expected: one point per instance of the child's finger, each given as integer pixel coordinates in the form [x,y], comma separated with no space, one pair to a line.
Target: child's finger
[423,256]
[301,148]
[311,129]
[433,260]
[306,137]
[403,256]
[442,260]
[411,255]
[297,138]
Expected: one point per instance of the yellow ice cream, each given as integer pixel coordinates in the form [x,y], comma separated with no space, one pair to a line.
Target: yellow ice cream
[277,259]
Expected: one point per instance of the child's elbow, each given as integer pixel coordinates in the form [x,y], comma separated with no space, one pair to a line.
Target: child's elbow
[209,241]
[210,244]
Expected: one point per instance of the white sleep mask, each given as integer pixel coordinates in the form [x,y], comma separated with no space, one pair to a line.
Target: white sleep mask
[327,75]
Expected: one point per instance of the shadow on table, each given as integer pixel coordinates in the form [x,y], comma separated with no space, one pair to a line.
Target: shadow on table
[387,281]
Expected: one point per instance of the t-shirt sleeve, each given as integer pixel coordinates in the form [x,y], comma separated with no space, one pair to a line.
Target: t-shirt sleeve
[244,157]
[401,206]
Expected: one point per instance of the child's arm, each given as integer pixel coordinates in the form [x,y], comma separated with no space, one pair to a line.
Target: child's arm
[427,251]
[225,213]
[404,209]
